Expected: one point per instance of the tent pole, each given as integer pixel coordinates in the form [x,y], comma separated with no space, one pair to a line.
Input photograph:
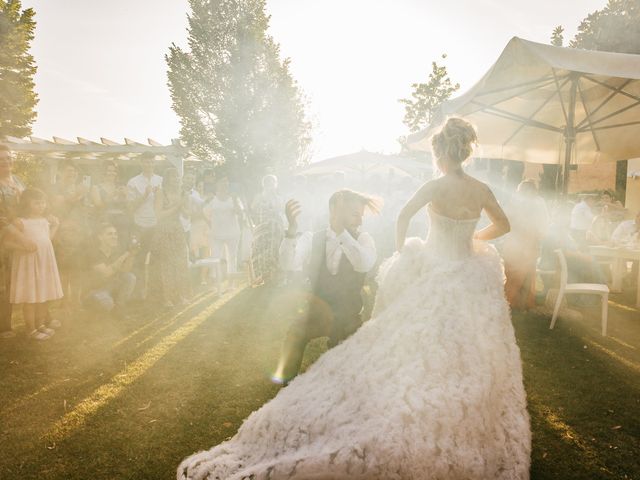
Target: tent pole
[569,133]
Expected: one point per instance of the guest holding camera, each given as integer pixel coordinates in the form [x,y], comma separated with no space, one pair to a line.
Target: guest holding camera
[109,280]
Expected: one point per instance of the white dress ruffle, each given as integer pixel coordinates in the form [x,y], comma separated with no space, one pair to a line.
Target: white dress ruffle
[429,388]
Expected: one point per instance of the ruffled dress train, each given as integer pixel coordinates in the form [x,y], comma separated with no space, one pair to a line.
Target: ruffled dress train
[429,388]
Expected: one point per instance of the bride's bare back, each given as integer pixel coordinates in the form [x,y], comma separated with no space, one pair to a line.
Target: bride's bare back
[455,195]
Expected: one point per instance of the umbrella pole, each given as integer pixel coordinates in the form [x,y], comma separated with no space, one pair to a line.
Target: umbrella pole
[569,134]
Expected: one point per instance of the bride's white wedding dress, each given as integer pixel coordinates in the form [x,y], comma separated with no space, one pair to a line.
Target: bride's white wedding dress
[429,388]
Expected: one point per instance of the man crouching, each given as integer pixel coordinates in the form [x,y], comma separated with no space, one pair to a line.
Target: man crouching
[333,264]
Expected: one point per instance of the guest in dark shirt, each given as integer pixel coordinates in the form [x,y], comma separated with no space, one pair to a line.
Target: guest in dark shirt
[109,281]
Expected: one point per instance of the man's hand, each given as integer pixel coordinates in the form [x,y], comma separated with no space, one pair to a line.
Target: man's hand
[292,209]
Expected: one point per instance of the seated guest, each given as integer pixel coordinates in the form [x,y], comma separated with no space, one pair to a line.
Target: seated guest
[614,208]
[582,268]
[582,218]
[109,282]
[628,232]
[600,231]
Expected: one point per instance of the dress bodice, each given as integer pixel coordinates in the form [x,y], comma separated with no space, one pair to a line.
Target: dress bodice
[449,238]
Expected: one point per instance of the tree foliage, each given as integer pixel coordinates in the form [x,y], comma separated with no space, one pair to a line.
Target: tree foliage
[17,68]
[427,97]
[236,99]
[557,37]
[615,28]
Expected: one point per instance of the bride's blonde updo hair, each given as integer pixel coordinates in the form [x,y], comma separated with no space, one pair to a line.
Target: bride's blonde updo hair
[455,141]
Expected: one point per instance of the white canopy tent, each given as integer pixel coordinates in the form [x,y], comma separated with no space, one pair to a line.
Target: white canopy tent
[552,105]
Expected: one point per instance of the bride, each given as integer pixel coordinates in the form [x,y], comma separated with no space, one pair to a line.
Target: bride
[430,387]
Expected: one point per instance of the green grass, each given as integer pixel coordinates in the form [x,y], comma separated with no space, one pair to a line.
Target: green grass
[130,399]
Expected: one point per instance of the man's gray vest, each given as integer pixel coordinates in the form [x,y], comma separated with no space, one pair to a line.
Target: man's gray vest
[342,291]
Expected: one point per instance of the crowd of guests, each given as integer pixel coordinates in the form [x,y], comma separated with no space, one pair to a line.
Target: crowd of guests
[104,244]
[539,229]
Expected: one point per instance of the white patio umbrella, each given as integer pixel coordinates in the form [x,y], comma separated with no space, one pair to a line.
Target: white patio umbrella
[368,163]
[544,104]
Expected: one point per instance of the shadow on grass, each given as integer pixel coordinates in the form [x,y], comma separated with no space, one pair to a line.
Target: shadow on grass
[584,405]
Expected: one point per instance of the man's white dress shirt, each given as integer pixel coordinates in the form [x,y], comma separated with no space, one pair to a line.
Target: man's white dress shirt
[361,252]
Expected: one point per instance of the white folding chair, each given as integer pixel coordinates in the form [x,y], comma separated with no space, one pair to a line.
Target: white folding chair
[583,288]
[214,265]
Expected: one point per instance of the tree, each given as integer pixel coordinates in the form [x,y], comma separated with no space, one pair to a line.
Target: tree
[237,101]
[17,68]
[427,97]
[557,37]
[615,28]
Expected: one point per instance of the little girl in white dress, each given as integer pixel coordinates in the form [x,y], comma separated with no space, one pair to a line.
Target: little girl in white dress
[34,275]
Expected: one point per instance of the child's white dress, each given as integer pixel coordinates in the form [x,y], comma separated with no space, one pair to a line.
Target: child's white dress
[34,276]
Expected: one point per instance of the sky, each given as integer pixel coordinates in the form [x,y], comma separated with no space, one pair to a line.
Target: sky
[102,73]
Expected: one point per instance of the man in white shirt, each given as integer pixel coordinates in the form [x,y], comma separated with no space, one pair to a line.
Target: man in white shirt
[141,192]
[582,218]
[334,262]
[627,232]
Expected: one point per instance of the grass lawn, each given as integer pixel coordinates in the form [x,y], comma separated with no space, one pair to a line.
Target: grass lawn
[129,399]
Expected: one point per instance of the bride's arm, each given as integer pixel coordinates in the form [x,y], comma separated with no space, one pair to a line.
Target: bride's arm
[418,201]
[499,221]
